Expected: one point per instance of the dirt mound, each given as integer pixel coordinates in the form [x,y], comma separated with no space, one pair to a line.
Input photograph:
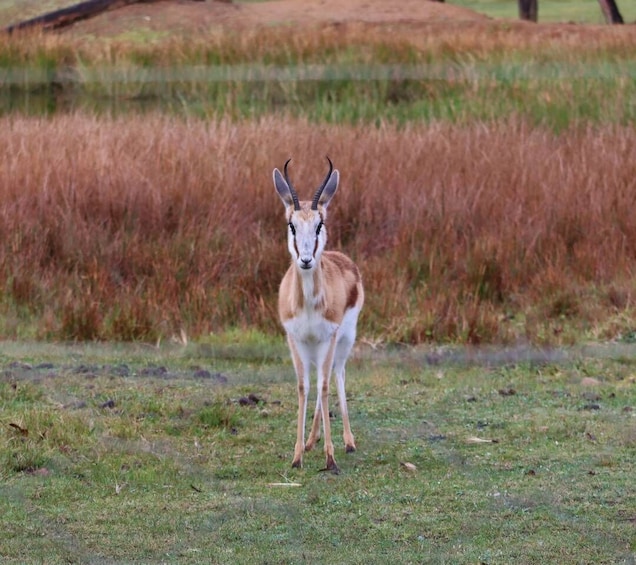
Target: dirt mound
[369,11]
[187,16]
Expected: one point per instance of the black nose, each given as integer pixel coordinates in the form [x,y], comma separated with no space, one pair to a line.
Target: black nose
[305,263]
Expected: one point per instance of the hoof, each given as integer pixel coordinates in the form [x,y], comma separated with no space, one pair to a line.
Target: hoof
[335,470]
[297,464]
[332,467]
[350,448]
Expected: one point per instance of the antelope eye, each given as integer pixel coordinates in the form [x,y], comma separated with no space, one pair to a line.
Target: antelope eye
[319,228]
[292,228]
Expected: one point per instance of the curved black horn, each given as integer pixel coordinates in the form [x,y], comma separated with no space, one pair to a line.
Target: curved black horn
[314,202]
[291,187]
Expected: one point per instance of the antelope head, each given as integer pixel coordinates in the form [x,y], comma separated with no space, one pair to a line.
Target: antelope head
[306,233]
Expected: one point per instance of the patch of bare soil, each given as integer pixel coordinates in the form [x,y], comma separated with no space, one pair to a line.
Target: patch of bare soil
[181,16]
[367,11]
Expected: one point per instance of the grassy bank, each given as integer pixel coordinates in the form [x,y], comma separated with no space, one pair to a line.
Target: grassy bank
[142,456]
[361,73]
[144,227]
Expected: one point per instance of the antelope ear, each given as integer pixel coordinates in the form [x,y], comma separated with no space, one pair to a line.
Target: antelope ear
[330,189]
[282,188]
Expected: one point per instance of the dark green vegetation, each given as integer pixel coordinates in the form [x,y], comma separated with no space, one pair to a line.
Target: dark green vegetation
[124,455]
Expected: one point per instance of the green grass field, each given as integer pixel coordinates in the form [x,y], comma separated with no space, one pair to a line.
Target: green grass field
[578,11]
[124,454]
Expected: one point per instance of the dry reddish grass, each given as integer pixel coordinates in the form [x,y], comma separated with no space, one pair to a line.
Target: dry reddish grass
[217,33]
[137,227]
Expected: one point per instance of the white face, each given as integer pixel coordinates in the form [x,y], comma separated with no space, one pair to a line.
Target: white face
[306,233]
[306,237]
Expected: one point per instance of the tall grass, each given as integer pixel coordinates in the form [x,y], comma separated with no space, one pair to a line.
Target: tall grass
[333,43]
[139,227]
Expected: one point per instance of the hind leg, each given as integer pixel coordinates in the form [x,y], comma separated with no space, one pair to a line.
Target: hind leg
[314,435]
[342,353]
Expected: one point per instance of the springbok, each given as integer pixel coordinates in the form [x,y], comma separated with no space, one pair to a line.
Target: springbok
[319,301]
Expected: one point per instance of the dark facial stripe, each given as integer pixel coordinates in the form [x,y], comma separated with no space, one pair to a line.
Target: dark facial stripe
[321,225]
[293,230]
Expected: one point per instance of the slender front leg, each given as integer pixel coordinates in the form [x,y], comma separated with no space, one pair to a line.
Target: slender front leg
[350,444]
[302,384]
[323,390]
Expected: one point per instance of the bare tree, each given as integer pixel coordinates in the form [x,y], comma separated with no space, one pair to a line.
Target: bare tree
[610,11]
[71,14]
[529,10]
